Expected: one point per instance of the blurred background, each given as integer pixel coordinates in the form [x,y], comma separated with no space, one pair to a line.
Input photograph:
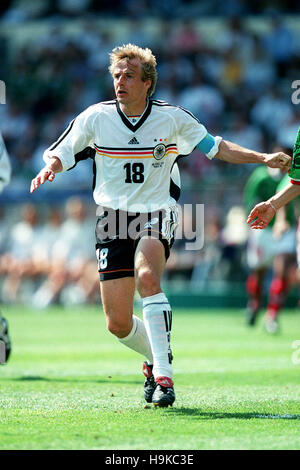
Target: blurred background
[230,63]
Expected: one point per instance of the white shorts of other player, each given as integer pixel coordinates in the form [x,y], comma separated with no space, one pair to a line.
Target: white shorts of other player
[262,246]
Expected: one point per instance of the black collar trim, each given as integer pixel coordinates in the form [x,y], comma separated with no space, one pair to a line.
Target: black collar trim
[126,121]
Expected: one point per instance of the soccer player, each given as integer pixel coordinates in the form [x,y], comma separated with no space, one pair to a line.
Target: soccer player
[5,173]
[263,213]
[268,247]
[137,142]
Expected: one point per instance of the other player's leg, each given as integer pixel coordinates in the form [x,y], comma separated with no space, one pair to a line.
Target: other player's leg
[260,253]
[254,286]
[283,274]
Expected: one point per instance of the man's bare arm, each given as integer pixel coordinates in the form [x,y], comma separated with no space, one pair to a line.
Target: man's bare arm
[262,214]
[286,195]
[233,153]
[47,173]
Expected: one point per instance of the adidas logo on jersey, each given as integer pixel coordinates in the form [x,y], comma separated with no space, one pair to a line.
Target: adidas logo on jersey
[133,141]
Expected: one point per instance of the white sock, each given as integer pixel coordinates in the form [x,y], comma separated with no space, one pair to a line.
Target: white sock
[158,321]
[138,339]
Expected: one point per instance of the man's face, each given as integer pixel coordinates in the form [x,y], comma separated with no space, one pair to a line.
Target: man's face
[128,84]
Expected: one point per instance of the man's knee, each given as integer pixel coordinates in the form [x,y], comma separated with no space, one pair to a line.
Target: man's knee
[118,326]
[147,283]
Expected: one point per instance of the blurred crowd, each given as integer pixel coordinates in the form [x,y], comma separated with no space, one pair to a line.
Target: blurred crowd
[43,259]
[233,71]
[25,10]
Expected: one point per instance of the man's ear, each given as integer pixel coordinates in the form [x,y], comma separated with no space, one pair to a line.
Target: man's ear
[148,83]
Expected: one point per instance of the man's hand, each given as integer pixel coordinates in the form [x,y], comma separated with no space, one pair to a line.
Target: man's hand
[263,213]
[45,174]
[278,160]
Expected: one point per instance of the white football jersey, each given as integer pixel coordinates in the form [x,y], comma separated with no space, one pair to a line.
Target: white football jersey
[135,165]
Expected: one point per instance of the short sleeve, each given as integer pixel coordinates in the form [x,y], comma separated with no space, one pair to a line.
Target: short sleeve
[77,136]
[189,131]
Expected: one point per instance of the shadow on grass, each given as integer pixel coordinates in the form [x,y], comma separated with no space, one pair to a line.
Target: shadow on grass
[209,415]
[38,378]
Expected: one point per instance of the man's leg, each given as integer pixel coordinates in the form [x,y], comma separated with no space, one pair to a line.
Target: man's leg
[278,290]
[117,299]
[149,265]
[254,286]
[260,252]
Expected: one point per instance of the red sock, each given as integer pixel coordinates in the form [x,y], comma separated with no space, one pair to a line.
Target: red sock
[277,293]
[254,292]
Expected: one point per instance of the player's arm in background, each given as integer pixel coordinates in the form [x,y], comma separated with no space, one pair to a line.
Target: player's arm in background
[284,217]
[61,155]
[263,213]
[5,168]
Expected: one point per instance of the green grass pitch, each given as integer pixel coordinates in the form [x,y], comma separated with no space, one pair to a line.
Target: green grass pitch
[70,385]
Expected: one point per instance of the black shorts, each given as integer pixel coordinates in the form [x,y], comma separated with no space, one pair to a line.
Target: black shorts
[117,235]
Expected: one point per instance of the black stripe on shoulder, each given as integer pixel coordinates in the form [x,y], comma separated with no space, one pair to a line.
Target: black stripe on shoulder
[63,135]
[108,102]
[189,113]
[164,103]
[159,101]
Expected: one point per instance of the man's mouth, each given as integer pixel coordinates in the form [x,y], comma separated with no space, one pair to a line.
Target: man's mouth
[121,92]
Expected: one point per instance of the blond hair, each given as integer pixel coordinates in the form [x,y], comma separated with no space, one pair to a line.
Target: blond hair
[145,56]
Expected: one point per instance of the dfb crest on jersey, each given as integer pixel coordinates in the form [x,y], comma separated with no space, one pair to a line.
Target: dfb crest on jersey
[159,151]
